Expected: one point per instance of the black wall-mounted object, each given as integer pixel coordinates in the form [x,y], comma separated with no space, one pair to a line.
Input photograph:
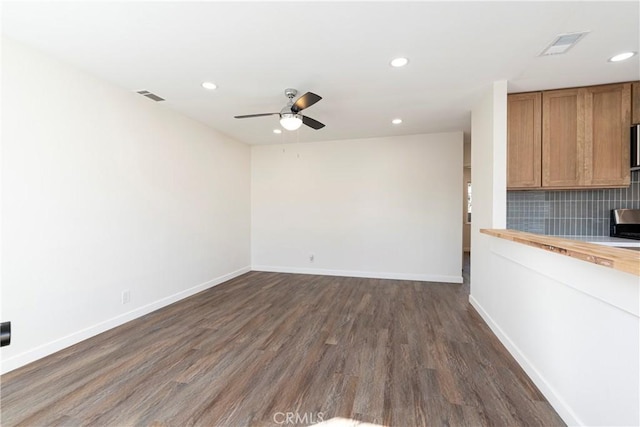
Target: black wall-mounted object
[5,334]
[635,147]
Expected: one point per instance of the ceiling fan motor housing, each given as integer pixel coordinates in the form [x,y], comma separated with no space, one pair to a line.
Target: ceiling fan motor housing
[290,93]
[288,109]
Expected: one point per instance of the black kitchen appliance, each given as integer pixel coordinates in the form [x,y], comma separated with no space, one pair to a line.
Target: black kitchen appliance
[625,223]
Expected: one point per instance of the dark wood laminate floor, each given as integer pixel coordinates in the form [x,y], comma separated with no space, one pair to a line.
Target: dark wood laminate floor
[381,351]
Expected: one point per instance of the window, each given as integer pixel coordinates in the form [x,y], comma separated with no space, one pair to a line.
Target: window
[469,202]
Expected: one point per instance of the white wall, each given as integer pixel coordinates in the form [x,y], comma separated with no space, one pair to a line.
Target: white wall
[573,326]
[380,207]
[104,190]
[488,174]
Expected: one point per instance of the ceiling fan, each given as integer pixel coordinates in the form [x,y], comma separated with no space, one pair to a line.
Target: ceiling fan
[290,119]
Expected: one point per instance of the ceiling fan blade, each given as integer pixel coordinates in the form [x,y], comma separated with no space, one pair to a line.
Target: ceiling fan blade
[256,115]
[312,123]
[305,101]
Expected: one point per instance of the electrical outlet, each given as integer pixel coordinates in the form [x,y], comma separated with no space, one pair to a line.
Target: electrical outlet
[126,296]
[312,258]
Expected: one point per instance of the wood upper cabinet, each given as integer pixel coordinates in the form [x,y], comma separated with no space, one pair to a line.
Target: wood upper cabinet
[563,138]
[524,140]
[607,123]
[585,138]
[635,103]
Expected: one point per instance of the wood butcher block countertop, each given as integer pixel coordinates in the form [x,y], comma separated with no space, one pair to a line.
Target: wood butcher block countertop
[619,259]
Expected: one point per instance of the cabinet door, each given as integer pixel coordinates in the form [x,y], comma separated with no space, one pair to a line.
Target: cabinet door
[635,104]
[607,124]
[524,125]
[563,138]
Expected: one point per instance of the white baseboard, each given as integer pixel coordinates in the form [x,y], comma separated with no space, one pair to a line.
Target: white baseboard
[565,412]
[83,334]
[364,274]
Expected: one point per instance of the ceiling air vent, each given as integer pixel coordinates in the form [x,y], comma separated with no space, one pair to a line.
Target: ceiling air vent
[150,95]
[562,43]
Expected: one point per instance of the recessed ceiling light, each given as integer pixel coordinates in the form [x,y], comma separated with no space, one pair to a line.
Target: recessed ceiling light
[621,56]
[399,62]
[277,131]
[209,85]
[396,121]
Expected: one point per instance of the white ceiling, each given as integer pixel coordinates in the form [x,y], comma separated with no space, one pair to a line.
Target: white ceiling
[339,50]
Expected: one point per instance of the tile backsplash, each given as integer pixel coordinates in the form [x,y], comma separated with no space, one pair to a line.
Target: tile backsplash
[569,212]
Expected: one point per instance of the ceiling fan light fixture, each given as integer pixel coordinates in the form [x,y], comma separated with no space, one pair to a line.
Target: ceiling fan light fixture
[209,85]
[290,121]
